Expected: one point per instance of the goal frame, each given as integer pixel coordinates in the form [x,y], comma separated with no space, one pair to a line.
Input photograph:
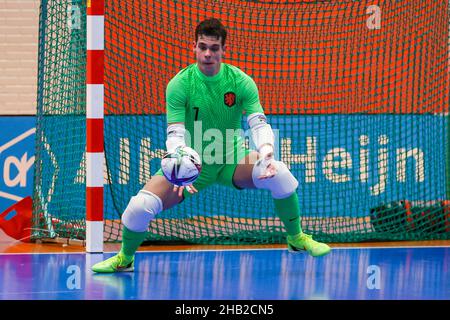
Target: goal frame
[94,125]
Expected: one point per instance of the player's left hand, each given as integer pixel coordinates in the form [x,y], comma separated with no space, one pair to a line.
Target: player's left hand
[269,172]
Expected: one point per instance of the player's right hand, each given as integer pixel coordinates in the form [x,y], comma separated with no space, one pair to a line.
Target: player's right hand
[190,188]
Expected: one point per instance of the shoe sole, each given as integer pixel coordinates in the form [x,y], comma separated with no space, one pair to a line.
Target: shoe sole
[127,269]
[321,255]
[114,271]
[295,250]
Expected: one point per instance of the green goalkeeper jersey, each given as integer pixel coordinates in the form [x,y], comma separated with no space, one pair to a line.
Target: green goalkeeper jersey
[211,109]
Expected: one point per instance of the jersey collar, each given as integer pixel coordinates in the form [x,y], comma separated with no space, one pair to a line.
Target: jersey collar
[205,77]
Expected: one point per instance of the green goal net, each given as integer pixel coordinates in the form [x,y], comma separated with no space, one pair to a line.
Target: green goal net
[358,95]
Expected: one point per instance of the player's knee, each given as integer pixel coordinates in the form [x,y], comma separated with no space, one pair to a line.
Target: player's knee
[282,185]
[141,209]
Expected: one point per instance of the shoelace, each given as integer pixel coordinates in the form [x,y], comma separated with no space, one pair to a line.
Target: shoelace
[117,261]
[303,237]
[308,238]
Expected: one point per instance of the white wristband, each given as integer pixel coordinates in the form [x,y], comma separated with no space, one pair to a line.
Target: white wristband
[262,133]
[266,151]
[175,137]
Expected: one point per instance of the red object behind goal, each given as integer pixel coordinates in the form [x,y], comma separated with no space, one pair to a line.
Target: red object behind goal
[16,220]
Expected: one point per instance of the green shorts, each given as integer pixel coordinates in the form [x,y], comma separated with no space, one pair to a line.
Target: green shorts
[212,173]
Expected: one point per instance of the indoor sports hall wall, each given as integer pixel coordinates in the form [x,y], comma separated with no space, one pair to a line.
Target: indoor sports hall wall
[19,33]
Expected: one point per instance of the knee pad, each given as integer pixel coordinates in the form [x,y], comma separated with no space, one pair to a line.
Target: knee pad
[282,185]
[141,209]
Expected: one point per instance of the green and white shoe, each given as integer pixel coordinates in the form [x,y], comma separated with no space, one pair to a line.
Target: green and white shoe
[304,242]
[117,263]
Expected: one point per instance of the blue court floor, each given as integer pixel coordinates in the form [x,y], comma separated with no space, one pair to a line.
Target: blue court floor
[346,273]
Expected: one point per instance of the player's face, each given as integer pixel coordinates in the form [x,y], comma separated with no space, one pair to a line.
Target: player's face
[209,52]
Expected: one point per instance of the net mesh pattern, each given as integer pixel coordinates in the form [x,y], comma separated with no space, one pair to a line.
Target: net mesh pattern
[358,95]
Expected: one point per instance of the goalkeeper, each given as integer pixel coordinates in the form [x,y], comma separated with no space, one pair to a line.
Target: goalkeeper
[210,94]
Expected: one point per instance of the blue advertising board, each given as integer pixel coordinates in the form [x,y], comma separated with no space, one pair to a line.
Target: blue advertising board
[17,155]
[346,164]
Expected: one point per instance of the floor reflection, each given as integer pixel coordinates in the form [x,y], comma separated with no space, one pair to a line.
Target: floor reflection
[387,273]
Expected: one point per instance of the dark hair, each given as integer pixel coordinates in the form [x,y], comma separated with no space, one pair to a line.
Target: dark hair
[211,27]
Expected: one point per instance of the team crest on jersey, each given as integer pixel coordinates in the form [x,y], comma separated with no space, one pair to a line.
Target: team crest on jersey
[229,99]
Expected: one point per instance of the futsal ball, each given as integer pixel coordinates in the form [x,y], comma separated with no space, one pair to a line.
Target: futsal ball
[181,167]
